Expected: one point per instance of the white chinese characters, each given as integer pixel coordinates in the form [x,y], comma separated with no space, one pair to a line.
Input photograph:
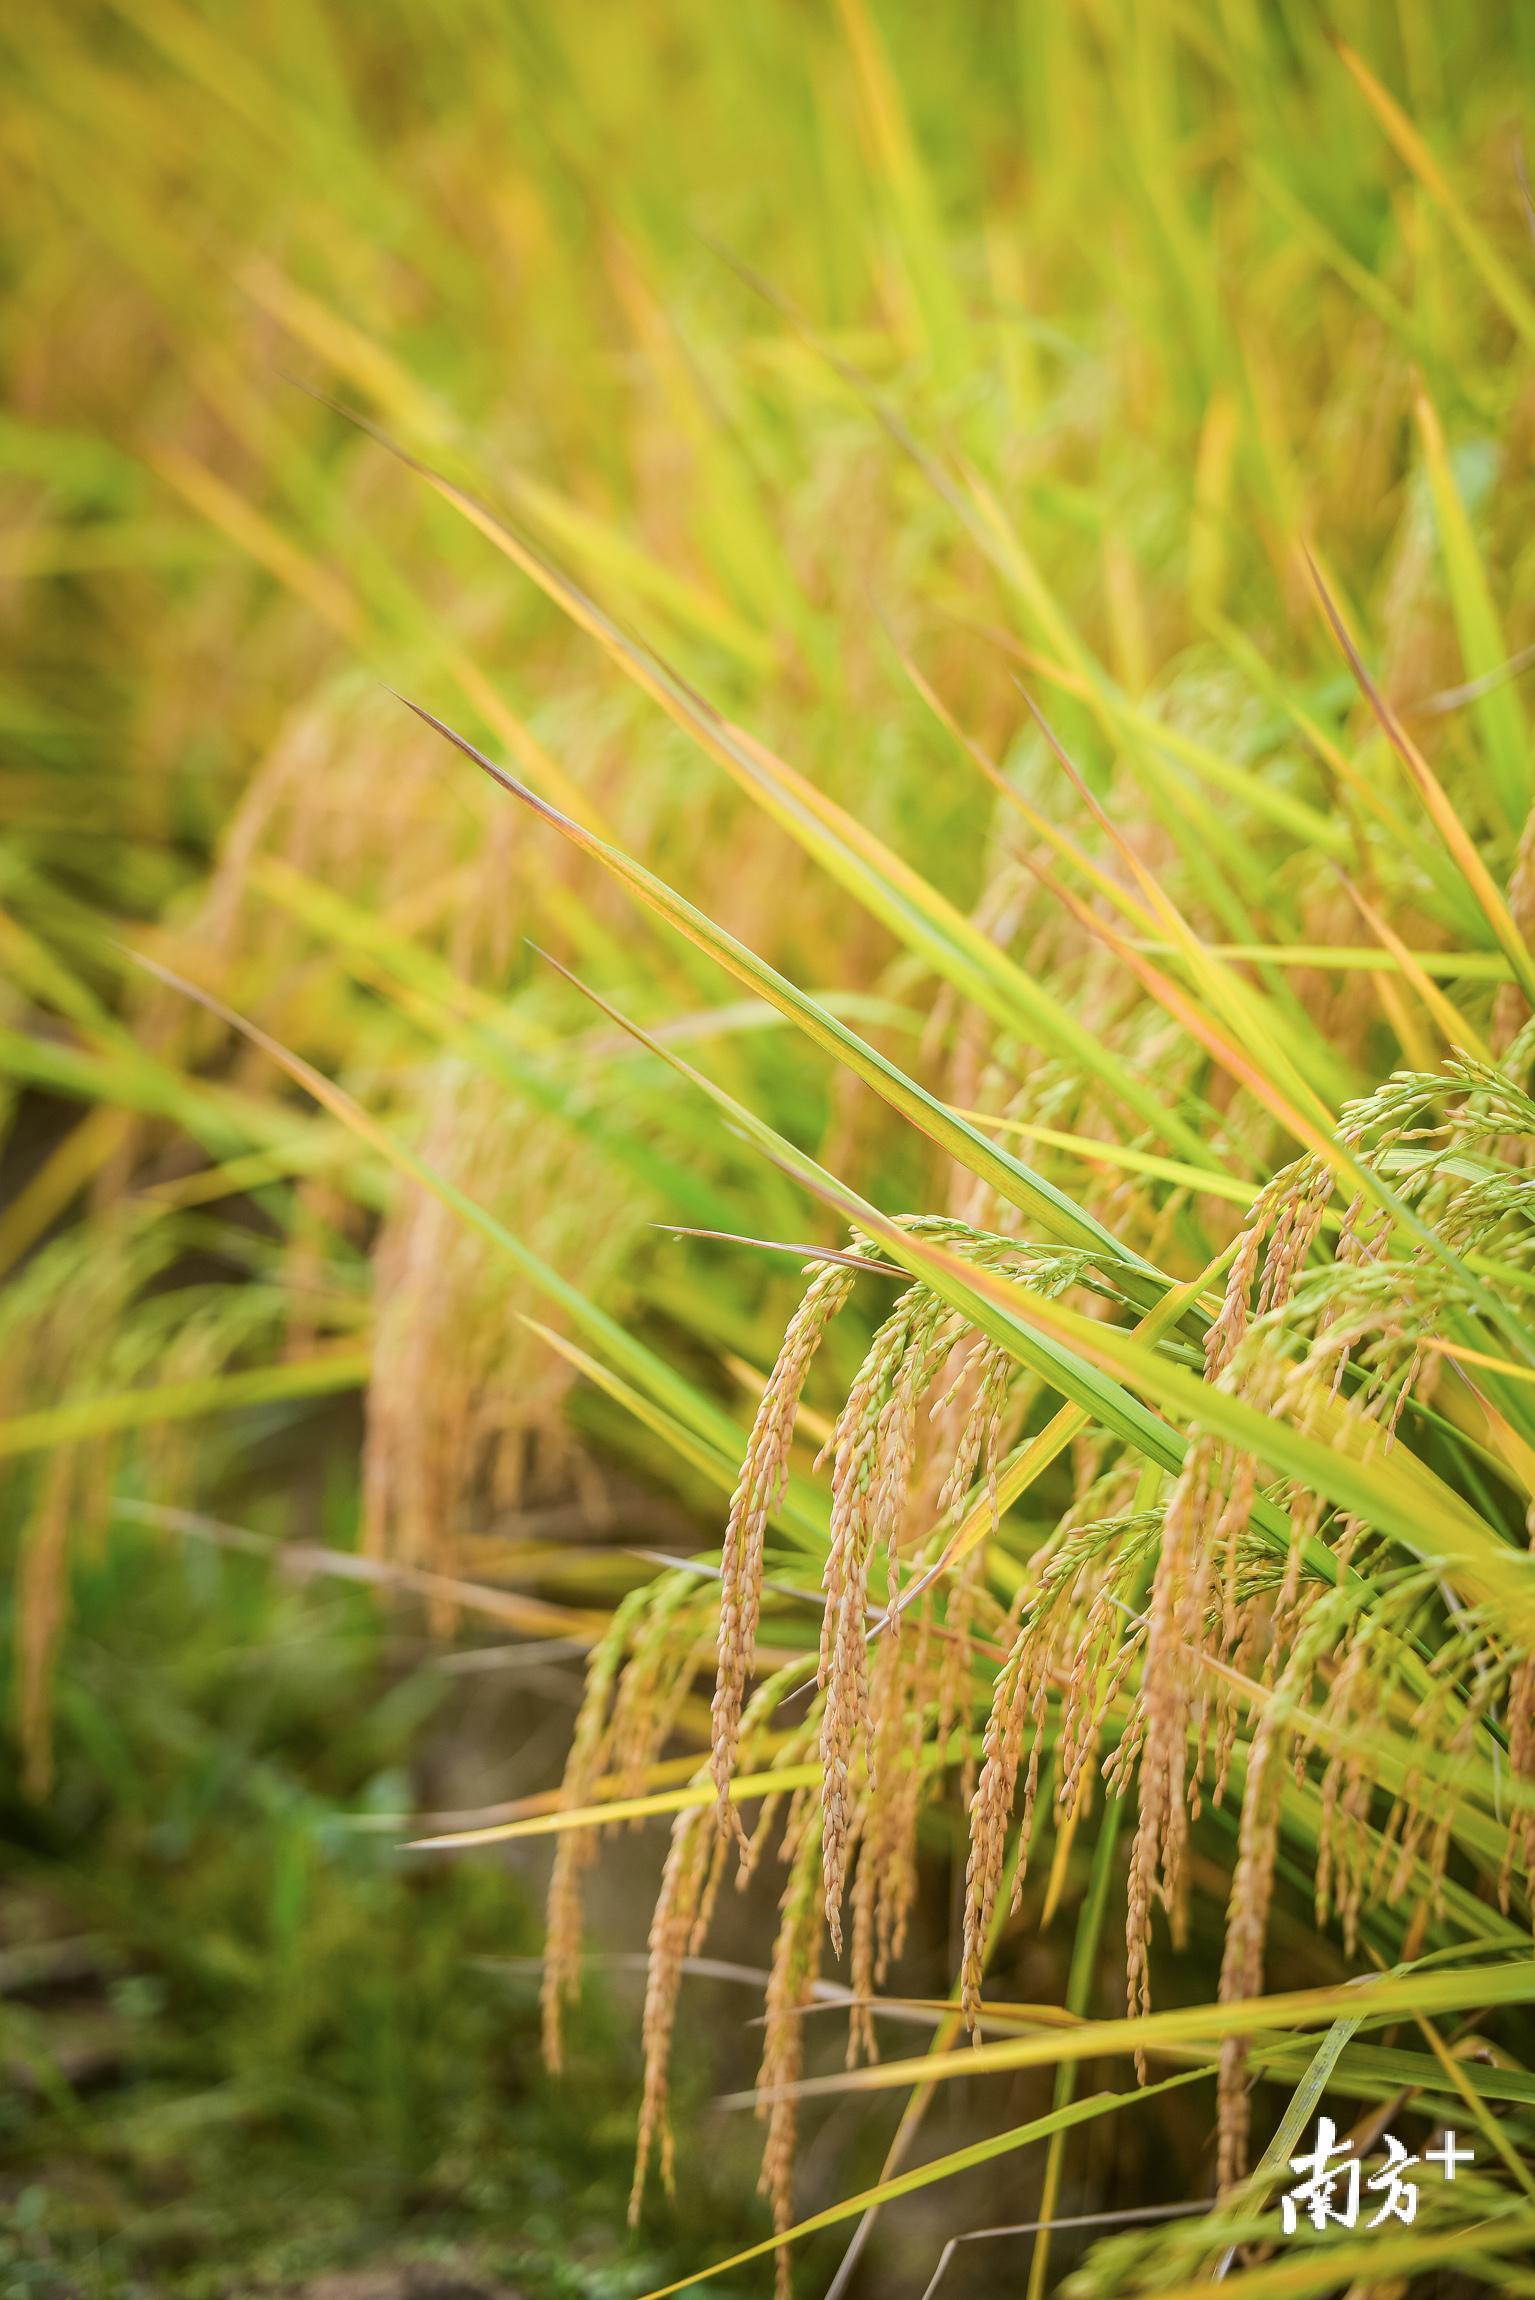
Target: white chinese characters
[1333,2191]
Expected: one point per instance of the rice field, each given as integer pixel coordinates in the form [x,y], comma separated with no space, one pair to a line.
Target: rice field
[768,1078]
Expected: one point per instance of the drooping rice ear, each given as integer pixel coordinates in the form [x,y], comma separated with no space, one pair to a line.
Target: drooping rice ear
[575,1849]
[693,1863]
[763,1477]
[791,1984]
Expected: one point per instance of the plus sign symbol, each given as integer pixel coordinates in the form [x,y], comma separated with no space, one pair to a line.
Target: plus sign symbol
[1449,2154]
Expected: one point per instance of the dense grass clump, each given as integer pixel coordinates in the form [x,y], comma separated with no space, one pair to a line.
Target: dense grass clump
[653,650]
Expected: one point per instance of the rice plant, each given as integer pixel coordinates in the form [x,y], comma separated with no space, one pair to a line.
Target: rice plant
[778,757]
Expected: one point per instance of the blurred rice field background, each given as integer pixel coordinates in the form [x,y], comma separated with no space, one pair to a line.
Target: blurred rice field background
[1004,534]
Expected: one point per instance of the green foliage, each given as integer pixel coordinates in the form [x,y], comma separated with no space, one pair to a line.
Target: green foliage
[250,2042]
